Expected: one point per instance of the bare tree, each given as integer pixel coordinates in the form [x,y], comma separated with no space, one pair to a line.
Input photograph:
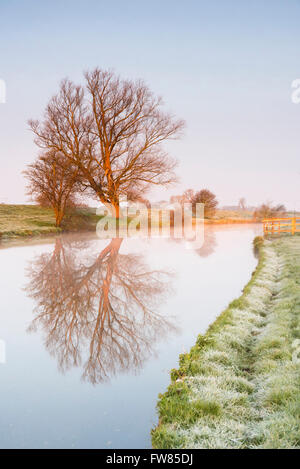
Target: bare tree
[112,131]
[135,196]
[188,195]
[267,210]
[52,182]
[209,200]
[176,199]
[242,203]
[185,198]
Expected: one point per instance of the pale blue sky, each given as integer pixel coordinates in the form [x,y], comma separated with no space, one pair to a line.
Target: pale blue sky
[226,67]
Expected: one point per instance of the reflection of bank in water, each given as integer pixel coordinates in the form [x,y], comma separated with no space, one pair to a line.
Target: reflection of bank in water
[141,222]
[209,245]
[99,313]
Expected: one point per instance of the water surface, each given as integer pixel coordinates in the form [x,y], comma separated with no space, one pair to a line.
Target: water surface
[92,328]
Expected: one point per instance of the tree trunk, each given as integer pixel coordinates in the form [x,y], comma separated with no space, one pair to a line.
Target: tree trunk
[117,211]
[58,217]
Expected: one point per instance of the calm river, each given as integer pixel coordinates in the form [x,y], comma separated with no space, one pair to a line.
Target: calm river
[89,330]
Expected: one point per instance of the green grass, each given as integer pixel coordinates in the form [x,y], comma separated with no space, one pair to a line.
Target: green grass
[25,220]
[32,220]
[233,214]
[238,387]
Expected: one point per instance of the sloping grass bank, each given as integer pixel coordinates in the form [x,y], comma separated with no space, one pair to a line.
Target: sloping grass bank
[239,386]
[32,220]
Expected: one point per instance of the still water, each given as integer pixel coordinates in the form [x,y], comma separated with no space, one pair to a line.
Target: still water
[91,328]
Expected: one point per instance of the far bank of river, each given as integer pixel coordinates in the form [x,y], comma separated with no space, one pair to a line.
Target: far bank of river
[31,221]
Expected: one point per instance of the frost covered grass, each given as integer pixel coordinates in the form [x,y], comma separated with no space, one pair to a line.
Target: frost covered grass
[238,387]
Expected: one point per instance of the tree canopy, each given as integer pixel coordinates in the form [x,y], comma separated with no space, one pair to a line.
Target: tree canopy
[111,130]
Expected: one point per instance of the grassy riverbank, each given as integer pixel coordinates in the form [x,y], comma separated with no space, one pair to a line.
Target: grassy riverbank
[31,220]
[238,387]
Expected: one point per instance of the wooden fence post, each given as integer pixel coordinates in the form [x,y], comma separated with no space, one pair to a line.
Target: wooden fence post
[281,225]
[293,225]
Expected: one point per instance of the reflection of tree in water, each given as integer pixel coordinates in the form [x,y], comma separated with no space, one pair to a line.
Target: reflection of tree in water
[209,244]
[99,313]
